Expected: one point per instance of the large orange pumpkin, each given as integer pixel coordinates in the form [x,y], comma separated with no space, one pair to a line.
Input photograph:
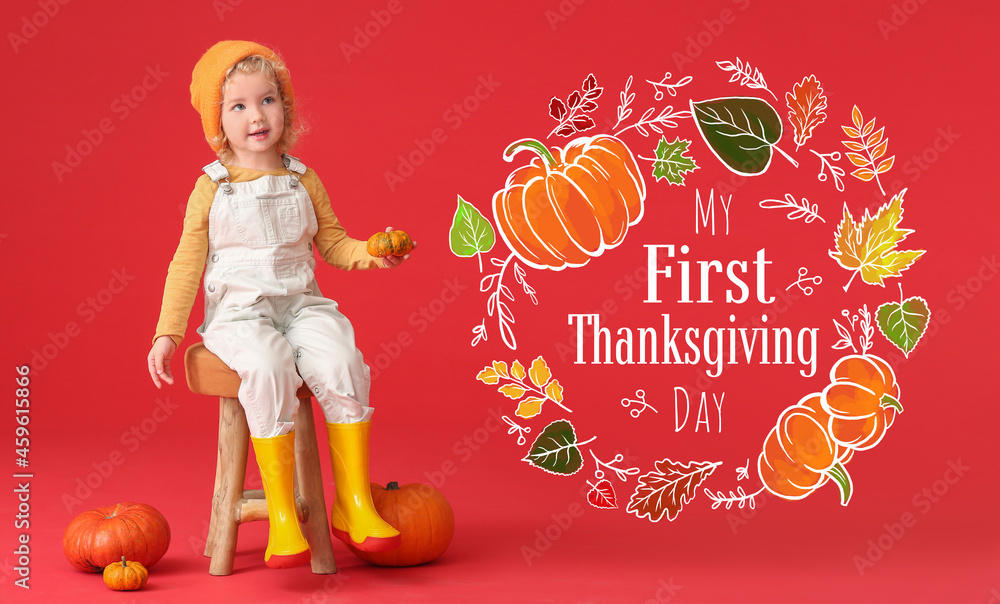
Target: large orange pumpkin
[422,516]
[569,206]
[97,538]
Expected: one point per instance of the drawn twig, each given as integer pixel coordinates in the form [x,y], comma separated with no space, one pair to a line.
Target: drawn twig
[740,498]
[626,99]
[748,76]
[495,304]
[666,118]
[797,209]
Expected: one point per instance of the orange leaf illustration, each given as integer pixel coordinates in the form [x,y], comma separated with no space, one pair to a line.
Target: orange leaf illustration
[807,102]
[666,489]
[529,407]
[868,151]
[869,248]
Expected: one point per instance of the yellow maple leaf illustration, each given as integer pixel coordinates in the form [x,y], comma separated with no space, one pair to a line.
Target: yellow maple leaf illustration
[869,248]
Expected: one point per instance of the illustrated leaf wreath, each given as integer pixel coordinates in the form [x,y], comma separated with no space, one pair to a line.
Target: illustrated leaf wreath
[531,215]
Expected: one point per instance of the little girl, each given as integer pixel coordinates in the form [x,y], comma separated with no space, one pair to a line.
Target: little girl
[251,224]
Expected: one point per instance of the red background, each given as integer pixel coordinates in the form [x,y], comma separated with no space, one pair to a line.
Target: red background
[65,235]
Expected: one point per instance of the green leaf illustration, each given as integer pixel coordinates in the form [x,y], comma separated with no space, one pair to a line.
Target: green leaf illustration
[740,131]
[903,323]
[471,233]
[556,450]
[671,163]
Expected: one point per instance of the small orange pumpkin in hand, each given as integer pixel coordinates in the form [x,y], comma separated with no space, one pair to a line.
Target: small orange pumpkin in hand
[422,516]
[125,576]
[392,243]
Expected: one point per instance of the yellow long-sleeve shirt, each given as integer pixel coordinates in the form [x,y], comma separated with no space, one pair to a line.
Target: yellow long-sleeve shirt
[186,269]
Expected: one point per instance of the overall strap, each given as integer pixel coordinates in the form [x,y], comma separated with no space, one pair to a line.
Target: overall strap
[216,171]
[293,164]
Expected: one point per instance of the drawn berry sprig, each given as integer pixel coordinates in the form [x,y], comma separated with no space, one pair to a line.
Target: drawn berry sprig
[860,324]
[572,115]
[826,163]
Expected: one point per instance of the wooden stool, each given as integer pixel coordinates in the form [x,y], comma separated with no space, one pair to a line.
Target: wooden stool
[231,504]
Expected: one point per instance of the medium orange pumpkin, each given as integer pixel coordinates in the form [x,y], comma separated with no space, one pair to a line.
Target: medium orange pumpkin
[862,400]
[569,206]
[392,243]
[125,576]
[422,516]
[100,537]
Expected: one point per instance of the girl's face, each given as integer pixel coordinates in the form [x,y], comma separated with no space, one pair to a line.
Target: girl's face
[253,119]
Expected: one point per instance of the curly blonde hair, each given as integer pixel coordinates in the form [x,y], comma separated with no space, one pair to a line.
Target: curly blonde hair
[270,70]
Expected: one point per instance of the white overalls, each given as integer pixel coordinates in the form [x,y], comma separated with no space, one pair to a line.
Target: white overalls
[264,314]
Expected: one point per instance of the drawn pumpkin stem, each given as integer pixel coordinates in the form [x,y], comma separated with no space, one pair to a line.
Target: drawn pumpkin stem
[839,475]
[888,401]
[530,143]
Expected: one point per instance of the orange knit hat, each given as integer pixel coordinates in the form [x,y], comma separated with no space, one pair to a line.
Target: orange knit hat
[210,73]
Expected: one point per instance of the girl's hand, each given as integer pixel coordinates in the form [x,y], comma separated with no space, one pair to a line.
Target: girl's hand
[159,360]
[391,261]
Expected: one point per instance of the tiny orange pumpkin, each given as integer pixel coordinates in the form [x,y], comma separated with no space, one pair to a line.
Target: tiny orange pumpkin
[392,243]
[423,517]
[125,576]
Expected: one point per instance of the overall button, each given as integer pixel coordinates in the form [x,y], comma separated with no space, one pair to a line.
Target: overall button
[211,287]
[316,390]
[215,257]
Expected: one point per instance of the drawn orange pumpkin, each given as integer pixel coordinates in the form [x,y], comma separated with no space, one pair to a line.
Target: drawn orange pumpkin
[570,205]
[862,400]
[799,455]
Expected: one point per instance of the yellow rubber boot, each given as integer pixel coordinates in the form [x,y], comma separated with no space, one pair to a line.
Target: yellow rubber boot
[353,518]
[286,546]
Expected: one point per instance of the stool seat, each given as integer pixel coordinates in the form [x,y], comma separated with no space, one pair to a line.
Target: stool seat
[208,374]
[231,503]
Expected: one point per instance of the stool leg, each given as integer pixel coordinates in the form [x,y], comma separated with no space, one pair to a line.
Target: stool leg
[234,442]
[213,521]
[308,476]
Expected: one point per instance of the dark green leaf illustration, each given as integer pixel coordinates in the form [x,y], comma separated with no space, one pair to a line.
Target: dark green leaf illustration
[740,131]
[556,450]
[904,322]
